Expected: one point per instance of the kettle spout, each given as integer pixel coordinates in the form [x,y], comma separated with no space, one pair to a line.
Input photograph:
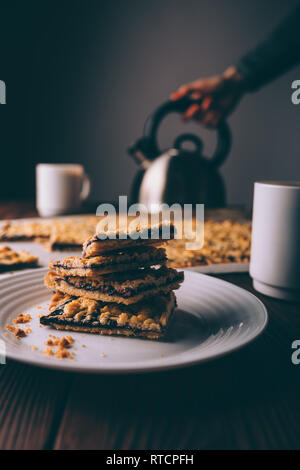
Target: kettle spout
[142,152]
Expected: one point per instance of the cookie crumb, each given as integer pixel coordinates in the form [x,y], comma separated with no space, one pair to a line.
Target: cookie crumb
[21,318]
[48,352]
[18,332]
[62,353]
[57,346]
[64,342]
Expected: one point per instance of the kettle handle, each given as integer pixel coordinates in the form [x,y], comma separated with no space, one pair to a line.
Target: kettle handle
[179,106]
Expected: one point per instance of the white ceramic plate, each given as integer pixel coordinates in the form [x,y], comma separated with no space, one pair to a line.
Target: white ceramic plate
[213,318]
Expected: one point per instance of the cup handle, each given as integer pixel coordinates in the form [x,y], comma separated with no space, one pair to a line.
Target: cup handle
[86,187]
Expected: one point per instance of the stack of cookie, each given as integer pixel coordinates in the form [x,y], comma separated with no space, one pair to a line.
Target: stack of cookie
[119,286]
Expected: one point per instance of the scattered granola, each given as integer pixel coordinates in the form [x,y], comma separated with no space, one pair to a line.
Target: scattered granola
[64,342]
[21,318]
[18,332]
[48,352]
[64,354]
[58,347]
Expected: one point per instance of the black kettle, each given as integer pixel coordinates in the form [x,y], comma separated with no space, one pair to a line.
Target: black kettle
[178,175]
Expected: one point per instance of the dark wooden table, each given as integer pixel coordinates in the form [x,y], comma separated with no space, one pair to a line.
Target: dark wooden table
[247,400]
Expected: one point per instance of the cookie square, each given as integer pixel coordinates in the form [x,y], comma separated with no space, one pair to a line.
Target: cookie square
[124,238]
[11,259]
[124,288]
[110,262]
[149,319]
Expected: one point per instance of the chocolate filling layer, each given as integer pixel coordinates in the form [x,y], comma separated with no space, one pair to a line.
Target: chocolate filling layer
[111,324]
[140,239]
[17,238]
[102,265]
[125,292]
[63,246]
[52,319]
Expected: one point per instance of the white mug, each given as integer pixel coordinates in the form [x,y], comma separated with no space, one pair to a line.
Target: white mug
[60,188]
[275,247]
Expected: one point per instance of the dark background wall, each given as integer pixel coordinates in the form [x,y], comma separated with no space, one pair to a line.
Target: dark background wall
[82,76]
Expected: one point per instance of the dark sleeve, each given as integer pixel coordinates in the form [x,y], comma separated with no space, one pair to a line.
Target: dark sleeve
[275,55]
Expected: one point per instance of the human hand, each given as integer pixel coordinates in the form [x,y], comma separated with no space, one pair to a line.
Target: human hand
[220,94]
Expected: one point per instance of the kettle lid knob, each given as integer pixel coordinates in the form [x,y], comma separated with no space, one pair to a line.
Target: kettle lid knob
[189,138]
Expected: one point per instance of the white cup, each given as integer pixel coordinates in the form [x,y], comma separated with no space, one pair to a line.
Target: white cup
[60,188]
[275,247]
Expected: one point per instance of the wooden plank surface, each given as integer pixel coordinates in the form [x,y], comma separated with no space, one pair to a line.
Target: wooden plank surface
[200,409]
[32,401]
[246,400]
